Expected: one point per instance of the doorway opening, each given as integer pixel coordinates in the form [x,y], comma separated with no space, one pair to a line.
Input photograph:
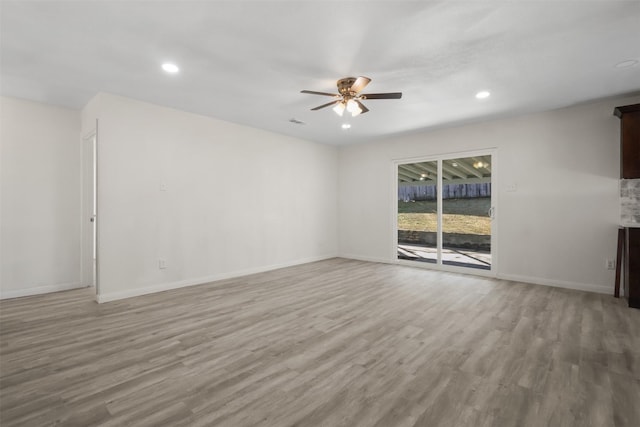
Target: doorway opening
[89,213]
[446,211]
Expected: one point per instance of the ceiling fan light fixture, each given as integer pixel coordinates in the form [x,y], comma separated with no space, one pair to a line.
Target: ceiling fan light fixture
[353,108]
[339,108]
[480,165]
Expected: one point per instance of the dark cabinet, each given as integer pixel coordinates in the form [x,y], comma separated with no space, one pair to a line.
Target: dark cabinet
[632,266]
[629,140]
[630,169]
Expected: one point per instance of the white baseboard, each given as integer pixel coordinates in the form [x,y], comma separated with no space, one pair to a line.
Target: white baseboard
[577,286]
[17,293]
[114,296]
[588,287]
[364,258]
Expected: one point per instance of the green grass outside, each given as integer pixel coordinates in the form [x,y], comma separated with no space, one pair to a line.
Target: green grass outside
[464,216]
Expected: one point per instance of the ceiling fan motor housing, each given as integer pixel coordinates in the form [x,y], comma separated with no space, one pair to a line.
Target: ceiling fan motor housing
[345,84]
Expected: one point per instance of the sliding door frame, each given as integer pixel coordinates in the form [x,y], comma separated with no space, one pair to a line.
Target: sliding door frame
[493,152]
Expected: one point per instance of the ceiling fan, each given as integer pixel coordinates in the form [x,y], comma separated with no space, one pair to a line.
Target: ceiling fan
[350,97]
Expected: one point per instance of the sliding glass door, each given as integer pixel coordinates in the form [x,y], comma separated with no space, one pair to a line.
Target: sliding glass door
[445,211]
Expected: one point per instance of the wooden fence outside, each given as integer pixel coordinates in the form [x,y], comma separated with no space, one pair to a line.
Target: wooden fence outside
[449,191]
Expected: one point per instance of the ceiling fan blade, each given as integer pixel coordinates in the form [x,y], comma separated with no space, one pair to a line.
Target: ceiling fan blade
[362,107]
[326,105]
[360,83]
[390,95]
[319,93]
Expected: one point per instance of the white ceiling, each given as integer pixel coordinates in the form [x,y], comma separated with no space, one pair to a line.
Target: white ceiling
[246,61]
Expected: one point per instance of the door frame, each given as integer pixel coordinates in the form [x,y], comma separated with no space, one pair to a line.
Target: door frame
[86,265]
[493,152]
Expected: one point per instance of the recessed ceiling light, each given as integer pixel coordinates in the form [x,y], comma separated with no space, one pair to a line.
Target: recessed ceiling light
[482,94]
[627,64]
[346,126]
[170,68]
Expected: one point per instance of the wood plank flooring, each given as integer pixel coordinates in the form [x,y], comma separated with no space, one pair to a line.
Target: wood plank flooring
[332,343]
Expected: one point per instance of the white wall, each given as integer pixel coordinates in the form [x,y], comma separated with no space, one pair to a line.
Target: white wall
[557,228]
[238,200]
[241,200]
[40,198]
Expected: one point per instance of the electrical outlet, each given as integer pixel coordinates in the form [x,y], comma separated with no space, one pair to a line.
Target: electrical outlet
[611,264]
[162,263]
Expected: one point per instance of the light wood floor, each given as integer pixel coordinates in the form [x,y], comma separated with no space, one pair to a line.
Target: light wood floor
[333,343]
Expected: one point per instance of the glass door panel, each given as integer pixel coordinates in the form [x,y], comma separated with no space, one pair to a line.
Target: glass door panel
[466,212]
[417,212]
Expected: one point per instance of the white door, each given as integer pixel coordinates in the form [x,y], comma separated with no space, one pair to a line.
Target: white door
[89,253]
